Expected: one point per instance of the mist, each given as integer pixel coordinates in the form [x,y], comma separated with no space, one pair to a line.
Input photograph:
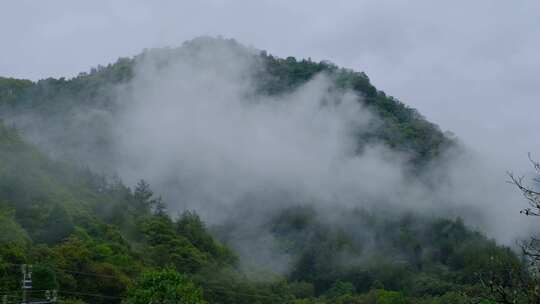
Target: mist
[200,121]
[193,123]
[194,126]
[270,151]
[475,77]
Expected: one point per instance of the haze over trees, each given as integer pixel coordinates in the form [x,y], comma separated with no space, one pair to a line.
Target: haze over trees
[63,210]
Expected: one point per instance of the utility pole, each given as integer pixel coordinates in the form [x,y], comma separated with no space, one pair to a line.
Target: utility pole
[26,282]
[26,286]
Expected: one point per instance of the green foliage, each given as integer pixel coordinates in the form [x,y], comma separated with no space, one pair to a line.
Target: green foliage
[12,232]
[167,247]
[86,232]
[192,227]
[44,278]
[57,225]
[58,217]
[403,128]
[454,298]
[11,89]
[52,103]
[412,254]
[389,297]
[340,288]
[165,286]
[143,198]
[91,233]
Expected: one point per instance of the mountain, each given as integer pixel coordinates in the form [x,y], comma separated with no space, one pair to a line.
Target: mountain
[64,210]
[52,102]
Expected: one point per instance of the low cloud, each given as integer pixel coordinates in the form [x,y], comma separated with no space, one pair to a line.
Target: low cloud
[193,123]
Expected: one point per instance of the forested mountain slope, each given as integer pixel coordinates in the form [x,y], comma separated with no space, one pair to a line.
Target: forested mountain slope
[96,240]
[83,233]
[52,102]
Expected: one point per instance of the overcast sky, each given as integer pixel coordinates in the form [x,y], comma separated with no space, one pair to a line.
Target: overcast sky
[473,67]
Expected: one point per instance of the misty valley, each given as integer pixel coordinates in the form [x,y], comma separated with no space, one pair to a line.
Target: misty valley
[214,172]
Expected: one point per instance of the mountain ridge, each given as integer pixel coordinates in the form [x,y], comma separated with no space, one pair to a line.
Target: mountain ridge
[88,231]
[404,128]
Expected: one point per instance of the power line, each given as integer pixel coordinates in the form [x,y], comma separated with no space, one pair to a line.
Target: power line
[246,294]
[95,295]
[70,271]
[211,289]
[207,289]
[26,290]
[60,269]
[88,274]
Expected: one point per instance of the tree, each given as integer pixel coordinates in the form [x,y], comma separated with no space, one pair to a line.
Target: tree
[144,198]
[167,287]
[57,226]
[531,247]
[160,209]
[340,288]
[191,226]
[520,283]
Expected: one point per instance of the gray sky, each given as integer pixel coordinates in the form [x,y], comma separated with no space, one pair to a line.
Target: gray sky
[473,67]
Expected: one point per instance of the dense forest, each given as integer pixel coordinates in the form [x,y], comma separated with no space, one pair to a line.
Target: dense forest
[95,239]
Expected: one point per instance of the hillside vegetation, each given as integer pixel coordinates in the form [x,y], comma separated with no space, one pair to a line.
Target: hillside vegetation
[51,103]
[96,240]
